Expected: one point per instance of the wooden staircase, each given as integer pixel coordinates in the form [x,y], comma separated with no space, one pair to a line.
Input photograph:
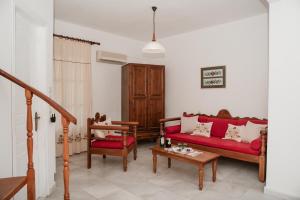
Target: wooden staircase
[12,185]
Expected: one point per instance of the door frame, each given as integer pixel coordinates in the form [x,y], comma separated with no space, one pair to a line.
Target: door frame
[44,140]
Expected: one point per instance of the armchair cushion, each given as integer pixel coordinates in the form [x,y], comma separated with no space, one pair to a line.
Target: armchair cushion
[107,144]
[103,133]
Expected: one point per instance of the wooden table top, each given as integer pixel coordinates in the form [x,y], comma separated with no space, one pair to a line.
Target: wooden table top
[204,157]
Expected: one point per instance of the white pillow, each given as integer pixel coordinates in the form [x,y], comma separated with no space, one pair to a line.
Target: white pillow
[252,131]
[188,124]
[203,129]
[103,133]
[234,132]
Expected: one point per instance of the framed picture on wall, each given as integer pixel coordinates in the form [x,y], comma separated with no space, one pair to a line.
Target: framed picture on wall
[213,77]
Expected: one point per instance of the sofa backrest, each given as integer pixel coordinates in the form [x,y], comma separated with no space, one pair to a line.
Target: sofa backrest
[220,125]
[220,122]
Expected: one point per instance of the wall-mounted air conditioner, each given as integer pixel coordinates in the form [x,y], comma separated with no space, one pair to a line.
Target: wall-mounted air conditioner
[111,57]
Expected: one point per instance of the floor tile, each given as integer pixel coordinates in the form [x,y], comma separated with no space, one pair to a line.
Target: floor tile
[106,180]
[121,195]
[101,190]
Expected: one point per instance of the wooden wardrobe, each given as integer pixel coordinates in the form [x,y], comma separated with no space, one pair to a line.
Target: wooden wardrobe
[143,97]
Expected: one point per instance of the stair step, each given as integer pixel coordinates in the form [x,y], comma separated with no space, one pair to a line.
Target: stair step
[10,186]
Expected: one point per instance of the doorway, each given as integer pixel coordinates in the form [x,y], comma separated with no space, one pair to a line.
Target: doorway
[31,66]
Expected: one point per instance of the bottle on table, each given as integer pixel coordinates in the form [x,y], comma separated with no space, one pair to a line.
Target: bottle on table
[162,139]
[168,143]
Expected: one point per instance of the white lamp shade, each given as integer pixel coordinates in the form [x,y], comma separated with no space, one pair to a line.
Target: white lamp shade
[154,47]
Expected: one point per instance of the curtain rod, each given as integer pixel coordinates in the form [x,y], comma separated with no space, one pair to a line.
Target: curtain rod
[77,39]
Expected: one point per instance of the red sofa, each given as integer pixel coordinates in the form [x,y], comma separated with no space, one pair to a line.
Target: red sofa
[254,152]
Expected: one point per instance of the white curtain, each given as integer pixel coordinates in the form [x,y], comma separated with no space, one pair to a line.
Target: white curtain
[72,89]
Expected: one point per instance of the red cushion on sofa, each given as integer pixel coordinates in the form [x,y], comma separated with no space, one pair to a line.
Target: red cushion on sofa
[256,144]
[220,125]
[173,129]
[202,119]
[112,144]
[214,142]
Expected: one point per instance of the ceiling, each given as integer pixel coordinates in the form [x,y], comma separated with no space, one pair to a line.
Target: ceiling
[133,18]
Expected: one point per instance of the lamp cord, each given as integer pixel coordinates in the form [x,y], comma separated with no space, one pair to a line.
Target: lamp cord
[153,37]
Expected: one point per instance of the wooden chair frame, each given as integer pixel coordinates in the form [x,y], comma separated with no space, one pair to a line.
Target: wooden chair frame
[259,159]
[126,128]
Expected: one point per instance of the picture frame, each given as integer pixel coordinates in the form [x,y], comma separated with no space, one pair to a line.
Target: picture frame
[213,77]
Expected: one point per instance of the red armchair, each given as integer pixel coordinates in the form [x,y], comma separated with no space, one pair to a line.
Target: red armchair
[112,145]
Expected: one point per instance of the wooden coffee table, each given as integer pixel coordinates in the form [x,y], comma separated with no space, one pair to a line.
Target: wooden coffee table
[200,161]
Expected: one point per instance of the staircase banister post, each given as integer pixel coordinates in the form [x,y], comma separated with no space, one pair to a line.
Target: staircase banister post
[65,124]
[30,170]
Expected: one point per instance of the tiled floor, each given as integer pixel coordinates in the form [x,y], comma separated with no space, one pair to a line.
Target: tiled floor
[107,181]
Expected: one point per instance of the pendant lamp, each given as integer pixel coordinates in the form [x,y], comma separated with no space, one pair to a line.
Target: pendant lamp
[154,47]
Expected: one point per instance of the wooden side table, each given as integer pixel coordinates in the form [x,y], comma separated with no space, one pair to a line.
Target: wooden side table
[200,161]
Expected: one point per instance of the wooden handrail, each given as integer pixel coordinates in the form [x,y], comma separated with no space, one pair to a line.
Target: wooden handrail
[36,92]
[66,118]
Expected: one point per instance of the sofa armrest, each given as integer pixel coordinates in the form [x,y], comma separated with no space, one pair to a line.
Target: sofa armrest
[163,121]
[169,119]
[263,136]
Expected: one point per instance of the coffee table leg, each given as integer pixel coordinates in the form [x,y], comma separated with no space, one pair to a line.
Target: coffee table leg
[214,169]
[201,176]
[154,162]
[169,162]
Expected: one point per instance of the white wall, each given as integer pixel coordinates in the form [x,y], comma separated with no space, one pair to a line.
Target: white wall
[283,164]
[242,46]
[12,115]
[106,78]
[33,63]
[6,61]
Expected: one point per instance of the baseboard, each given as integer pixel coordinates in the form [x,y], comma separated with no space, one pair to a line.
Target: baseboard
[279,194]
[52,188]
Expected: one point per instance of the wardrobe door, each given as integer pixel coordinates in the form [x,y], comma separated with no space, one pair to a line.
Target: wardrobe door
[156,105]
[139,96]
